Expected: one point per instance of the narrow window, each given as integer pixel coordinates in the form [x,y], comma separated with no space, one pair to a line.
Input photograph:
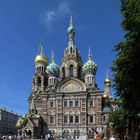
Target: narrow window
[79,72]
[51,119]
[76,119]
[65,103]
[91,103]
[76,103]
[71,119]
[71,103]
[39,81]
[51,104]
[104,118]
[63,71]
[65,119]
[71,70]
[71,50]
[87,79]
[91,119]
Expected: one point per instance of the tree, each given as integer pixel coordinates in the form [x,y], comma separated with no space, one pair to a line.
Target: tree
[126,66]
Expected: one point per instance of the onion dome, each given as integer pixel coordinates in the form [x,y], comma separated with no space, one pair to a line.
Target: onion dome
[90,66]
[105,96]
[41,58]
[107,109]
[53,68]
[71,28]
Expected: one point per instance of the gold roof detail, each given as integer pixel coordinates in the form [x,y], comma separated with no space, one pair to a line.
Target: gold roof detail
[41,58]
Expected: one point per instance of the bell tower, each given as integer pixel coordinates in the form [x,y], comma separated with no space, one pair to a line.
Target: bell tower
[71,62]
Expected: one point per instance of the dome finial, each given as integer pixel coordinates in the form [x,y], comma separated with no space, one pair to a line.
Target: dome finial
[107,80]
[89,54]
[41,48]
[52,56]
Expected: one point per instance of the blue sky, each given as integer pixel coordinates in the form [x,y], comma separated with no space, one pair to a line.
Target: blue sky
[24,23]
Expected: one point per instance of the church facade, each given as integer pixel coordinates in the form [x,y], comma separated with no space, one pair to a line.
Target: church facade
[66,100]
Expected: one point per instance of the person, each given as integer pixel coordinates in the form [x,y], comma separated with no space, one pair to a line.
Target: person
[98,137]
[112,138]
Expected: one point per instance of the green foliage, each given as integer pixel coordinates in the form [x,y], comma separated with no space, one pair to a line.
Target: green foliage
[119,121]
[126,66]
[126,69]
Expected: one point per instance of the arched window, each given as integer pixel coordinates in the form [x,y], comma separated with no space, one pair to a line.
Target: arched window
[71,50]
[87,79]
[71,70]
[79,72]
[39,81]
[71,103]
[54,80]
[65,103]
[91,103]
[63,71]
[51,119]
[76,103]
[104,118]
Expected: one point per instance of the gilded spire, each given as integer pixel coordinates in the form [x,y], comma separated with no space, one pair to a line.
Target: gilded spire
[41,48]
[52,56]
[71,28]
[107,80]
[89,54]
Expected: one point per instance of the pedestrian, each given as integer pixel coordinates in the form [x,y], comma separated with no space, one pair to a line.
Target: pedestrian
[112,138]
[98,137]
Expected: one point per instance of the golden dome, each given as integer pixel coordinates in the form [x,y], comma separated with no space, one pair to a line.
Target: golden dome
[41,59]
[105,96]
[107,81]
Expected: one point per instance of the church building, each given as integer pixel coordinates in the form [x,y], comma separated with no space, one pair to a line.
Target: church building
[66,101]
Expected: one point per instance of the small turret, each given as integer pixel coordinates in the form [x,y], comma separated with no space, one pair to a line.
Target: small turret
[41,60]
[107,83]
[53,71]
[89,70]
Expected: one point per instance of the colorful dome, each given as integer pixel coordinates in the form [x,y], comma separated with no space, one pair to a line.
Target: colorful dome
[90,66]
[53,68]
[107,109]
[71,28]
[41,57]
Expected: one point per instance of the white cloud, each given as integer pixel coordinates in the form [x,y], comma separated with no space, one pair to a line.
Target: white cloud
[49,17]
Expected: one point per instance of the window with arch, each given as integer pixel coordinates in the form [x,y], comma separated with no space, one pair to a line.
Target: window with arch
[88,79]
[51,119]
[65,103]
[76,104]
[71,103]
[104,118]
[91,103]
[71,50]
[51,103]
[71,70]
[91,119]
[65,119]
[63,71]
[39,81]
[79,72]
